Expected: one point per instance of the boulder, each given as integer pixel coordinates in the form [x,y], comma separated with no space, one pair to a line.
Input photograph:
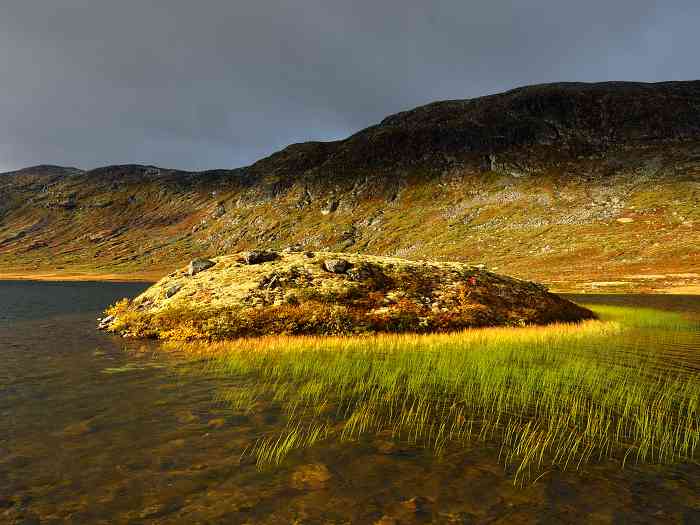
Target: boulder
[105,322]
[270,281]
[199,265]
[336,265]
[370,275]
[363,271]
[219,211]
[172,290]
[330,207]
[259,256]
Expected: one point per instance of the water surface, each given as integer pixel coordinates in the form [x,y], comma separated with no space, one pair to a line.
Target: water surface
[95,429]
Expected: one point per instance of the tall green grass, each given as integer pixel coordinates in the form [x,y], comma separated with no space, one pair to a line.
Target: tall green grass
[559,395]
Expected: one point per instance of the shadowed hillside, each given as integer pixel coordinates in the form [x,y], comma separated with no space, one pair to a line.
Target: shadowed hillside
[582,186]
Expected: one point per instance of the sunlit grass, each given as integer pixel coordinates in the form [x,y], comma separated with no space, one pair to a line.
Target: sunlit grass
[644,317]
[555,395]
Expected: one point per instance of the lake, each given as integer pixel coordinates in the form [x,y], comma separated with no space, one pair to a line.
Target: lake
[97,429]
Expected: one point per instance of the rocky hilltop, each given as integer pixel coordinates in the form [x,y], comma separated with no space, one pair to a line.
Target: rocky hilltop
[582,186]
[266,292]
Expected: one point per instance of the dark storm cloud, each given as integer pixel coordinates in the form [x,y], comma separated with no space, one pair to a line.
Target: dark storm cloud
[213,83]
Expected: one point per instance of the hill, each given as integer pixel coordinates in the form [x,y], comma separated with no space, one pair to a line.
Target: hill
[582,186]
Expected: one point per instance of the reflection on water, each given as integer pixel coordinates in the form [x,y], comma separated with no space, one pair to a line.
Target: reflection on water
[677,350]
[90,433]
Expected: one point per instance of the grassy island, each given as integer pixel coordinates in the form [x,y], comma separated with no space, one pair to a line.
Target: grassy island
[320,293]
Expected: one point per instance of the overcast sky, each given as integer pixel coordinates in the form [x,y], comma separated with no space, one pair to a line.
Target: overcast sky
[198,84]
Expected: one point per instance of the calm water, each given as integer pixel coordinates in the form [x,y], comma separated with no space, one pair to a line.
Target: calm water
[94,429]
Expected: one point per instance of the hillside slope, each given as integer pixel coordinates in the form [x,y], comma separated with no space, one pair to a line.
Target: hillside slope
[582,186]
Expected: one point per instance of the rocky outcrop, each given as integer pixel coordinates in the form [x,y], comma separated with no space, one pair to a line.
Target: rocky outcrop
[199,265]
[173,290]
[258,256]
[103,323]
[336,265]
[332,293]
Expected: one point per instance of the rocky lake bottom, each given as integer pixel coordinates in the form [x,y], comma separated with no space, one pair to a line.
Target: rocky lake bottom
[96,429]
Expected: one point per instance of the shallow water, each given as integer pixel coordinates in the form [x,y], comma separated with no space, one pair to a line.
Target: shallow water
[94,429]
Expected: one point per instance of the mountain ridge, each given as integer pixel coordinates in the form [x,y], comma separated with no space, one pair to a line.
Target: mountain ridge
[685,97]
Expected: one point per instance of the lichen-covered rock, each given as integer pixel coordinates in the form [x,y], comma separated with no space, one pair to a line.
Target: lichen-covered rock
[330,207]
[199,265]
[259,256]
[172,290]
[364,272]
[333,293]
[104,322]
[336,265]
[219,211]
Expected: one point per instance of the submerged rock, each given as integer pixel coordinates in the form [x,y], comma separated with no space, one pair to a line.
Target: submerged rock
[417,505]
[313,476]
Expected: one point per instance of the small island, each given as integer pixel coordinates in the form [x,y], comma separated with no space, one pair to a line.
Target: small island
[295,292]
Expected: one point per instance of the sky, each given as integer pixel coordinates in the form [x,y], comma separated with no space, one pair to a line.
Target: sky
[221,83]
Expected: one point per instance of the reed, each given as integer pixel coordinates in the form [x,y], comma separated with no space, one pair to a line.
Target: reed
[558,395]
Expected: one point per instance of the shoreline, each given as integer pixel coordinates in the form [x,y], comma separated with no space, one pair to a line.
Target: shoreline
[667,290]
[81,277]
[155,276]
